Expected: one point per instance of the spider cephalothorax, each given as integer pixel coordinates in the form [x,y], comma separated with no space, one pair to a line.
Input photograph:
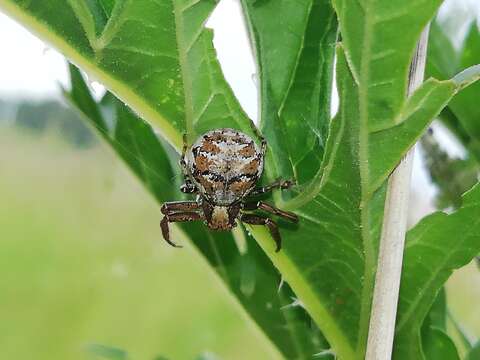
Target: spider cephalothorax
[222,167]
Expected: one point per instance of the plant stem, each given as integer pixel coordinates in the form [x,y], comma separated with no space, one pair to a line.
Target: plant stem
[389,270]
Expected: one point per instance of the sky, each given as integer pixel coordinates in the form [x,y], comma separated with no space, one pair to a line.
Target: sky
[29,68]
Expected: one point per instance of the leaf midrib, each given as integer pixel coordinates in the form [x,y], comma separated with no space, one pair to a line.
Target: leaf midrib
[182,56]
[85,18]
[312,301]
[369,266]
[114,23]
[297,62]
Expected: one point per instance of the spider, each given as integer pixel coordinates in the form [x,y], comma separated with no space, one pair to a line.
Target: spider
[222,167]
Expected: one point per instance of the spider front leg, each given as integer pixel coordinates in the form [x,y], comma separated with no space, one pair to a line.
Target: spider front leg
[260,136]
[269,223]
[179,211]
[188,187]
[279,184]
[261,205]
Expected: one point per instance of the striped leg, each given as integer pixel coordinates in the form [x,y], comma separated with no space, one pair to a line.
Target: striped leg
[269,223]
[180,211]
[279,184]
[188,187]
[261,205]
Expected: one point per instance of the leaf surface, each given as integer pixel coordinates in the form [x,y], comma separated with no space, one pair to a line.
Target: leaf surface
[341,209]
[442,58]
[343,220]
[434,249]
[248,274]
[157,56]
[380,59]
[295,45]
[437,316]
[438,346]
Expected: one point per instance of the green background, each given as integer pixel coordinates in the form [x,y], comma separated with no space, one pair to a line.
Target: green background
[82,261]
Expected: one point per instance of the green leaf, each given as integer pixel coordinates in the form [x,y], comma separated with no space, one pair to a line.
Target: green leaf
[155,55]
[474,353]
[341,209]
[295,63]
[107,7]
[437,316]
[436,343]
[380,59]
[442,58]
[434,249]
[380,70]
[420,109]
[248,275]
[438,346]
[340,226]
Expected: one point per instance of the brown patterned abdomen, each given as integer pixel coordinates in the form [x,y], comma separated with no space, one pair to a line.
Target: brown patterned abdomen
[225,164]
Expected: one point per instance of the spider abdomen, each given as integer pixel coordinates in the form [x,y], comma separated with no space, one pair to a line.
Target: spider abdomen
[225,165]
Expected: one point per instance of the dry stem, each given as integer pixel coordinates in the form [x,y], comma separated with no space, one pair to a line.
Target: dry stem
[389,270]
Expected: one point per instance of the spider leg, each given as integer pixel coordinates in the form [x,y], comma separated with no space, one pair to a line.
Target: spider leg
[269,223]
[180,211]
[179,206]
[279,184]
[177,217]
[183,163]
[166,232]
[261,205]
[188,187]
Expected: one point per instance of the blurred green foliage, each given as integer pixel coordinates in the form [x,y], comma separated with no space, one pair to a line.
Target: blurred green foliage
[38,116]
[454,176]
[82,263]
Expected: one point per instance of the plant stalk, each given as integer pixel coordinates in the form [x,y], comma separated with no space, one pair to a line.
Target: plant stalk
[392,242]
